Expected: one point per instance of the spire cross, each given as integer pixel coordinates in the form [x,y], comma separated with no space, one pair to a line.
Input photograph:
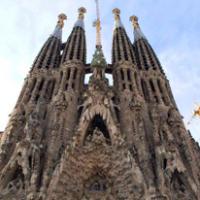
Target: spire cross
[97,24]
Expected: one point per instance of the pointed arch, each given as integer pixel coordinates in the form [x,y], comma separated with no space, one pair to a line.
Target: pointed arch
[97,123]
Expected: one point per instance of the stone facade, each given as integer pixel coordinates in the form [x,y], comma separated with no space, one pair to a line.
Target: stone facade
[70,140]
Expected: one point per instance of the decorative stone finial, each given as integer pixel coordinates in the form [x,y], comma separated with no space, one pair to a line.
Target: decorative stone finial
[134,20]
[81,16]
[58,30]
[137,31]
[116,12]
[118,22]
[61,18]
[81,12]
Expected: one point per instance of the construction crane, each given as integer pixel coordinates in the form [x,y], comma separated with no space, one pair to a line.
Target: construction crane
[97,24]
[196,113]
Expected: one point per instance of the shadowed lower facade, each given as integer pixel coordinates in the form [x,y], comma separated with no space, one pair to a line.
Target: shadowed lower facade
[71,140]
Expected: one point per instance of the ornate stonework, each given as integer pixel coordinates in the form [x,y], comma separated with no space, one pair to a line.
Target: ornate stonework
[71,140]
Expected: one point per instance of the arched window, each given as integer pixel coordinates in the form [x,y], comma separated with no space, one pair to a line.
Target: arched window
[145,90]
[153,90]
[52,89]
[136,80]
[152,86]
[41,85]
[97,183]
[68,74]
[61,76]
[87,78]
[122,74]
[32,87]
[129,75]
[75,73]
[131,87]
[39,90]
[117,113]
[161,91]
[164,163]
[66,86]
[98,186]
[110,79]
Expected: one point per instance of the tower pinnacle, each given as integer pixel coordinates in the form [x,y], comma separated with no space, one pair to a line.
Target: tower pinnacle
[75,47]
[134,20]
[61,19]
[137,31]
[58,30]
[81,16]
[118,22]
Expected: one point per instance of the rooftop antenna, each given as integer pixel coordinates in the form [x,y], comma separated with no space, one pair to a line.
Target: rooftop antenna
[97,24]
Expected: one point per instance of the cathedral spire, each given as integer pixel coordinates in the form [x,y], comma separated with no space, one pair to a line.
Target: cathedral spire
[137,30]
[58,30]
[122,49]
[146,57]
[75,47]
[153,90]
[49,55]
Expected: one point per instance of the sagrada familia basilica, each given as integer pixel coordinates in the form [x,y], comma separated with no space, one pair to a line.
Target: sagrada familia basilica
[71,140]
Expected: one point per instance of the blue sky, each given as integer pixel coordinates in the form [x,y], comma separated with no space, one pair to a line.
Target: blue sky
[172,27]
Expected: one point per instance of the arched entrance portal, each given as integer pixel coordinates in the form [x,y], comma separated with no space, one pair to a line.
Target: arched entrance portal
[98,125]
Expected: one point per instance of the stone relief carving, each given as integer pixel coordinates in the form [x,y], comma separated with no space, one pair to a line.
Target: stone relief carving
[60,101]
[13,133]
[174,117]
[33,129]
[97,138]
